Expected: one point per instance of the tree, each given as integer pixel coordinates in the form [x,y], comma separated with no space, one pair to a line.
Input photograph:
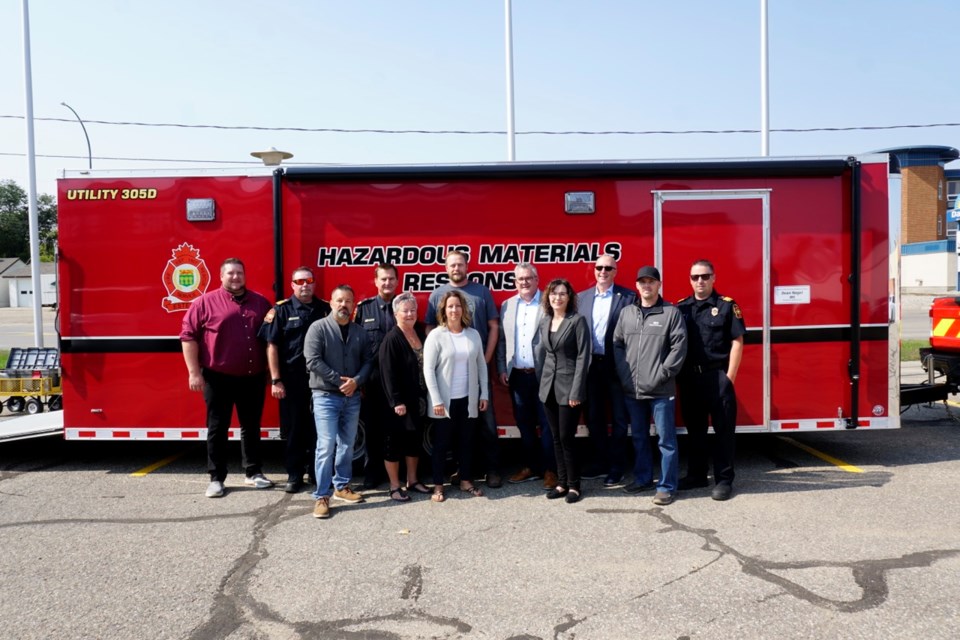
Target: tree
[15,222]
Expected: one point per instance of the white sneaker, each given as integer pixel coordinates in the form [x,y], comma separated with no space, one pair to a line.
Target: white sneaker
[259,481]
[215,489]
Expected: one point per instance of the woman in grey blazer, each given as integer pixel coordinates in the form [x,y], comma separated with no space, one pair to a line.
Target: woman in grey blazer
[563,358]
[456,376]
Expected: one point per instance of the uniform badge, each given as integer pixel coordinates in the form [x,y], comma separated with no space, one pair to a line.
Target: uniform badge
[185,278]
[736,311]
[267,319]
[714,311]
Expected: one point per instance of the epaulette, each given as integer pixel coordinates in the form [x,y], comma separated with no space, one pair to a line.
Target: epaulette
[726,298]
[282,302]
[683,299]
[364,301]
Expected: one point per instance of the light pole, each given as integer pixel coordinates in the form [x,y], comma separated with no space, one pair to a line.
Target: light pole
[80,120]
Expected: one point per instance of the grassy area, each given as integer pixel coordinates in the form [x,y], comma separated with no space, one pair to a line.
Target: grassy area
[910,349]
[4,354]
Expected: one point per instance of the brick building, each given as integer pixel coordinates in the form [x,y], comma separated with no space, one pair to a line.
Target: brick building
[928,240]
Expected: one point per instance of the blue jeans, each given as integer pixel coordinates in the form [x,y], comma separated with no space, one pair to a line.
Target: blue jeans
[337,417]
[662,410]
[528,412]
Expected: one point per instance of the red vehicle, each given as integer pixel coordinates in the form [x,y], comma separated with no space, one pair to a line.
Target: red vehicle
[808,247]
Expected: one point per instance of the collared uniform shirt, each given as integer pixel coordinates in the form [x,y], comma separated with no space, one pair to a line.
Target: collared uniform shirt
[286,326]
[375,317]
[712,326]
[225,328]
[601,317]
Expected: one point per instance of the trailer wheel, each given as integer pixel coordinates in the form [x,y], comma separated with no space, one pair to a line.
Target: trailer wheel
[33,406]
[56,403]
[360,445]
[15,405]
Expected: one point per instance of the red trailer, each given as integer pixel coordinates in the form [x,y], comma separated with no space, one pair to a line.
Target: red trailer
[807,246]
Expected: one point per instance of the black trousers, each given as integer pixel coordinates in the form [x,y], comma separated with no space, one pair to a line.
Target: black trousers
[222,393]
[298,426]
[563,420]
[374,416]
[459,427]
[709,395]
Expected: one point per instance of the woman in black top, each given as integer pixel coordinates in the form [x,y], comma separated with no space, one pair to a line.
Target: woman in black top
[401,372]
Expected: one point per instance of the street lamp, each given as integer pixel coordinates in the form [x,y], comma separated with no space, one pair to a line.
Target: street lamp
[271,157]
[89,152]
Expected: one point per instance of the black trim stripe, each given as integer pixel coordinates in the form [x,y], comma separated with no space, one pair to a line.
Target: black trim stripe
[816,334]
[124,345]
[613,169]
[753,336]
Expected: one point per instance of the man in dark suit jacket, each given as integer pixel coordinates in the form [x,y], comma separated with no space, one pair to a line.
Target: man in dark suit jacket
[601,306]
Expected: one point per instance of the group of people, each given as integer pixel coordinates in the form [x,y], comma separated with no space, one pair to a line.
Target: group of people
[557,350]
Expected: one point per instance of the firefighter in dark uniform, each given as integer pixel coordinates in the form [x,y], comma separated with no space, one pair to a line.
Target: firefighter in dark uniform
[284,328]
[376,317]
[715,332]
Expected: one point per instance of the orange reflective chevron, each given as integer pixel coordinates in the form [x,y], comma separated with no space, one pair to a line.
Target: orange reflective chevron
[945,324]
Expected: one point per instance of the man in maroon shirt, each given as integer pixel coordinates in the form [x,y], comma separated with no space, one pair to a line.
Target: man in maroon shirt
[227,362]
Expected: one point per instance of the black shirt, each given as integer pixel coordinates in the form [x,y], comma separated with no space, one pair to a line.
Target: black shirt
[712,326]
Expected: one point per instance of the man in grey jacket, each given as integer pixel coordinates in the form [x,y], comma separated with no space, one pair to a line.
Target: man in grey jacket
[340,361]
[649,345]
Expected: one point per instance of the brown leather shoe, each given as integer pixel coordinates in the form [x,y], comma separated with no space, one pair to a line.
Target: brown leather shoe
[524,475]
[550,480]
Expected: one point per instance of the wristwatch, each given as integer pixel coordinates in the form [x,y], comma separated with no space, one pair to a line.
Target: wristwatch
[276,381]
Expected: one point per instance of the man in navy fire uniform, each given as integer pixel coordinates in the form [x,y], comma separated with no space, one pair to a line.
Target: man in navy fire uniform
[715,330]
[283,329]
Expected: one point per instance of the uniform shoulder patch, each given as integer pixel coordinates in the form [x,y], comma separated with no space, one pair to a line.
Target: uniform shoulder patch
[270,316]
[737,312]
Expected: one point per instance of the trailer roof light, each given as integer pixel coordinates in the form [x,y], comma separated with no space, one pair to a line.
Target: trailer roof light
[272,157]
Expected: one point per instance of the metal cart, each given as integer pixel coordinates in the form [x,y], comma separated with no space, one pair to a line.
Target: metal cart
[31,380]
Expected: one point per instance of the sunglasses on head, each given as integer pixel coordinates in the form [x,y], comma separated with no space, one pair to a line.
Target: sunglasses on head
[700,276]
[603,267]
[303,281]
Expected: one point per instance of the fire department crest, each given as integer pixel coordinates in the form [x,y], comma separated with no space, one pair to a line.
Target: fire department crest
[185,277]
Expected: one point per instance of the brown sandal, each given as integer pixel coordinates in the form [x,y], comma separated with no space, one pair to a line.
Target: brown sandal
[473,490]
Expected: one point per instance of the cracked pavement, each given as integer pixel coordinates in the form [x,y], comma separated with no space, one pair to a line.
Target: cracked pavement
[803,550]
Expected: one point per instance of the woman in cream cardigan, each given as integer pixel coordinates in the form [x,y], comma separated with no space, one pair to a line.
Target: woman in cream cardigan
[456,377]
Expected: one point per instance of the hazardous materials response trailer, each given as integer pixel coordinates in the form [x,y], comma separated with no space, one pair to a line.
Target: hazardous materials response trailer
[808,247]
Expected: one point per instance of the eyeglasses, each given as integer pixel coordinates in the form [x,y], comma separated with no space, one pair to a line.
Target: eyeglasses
[303,281]
[526,279]
[700,276]
[603,267]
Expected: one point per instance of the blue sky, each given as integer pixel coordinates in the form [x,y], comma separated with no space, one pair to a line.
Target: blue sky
[597,65]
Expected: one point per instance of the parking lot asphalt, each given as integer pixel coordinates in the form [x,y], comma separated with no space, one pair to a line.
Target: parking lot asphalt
[843,535]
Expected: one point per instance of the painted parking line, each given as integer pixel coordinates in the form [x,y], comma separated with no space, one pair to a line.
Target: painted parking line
[823,456]
[156,465]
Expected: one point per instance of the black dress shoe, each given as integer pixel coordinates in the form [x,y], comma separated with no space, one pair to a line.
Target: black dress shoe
[293,486]
[494,481]
[371,482]
[687,483]
[573,496]
[722,491]
[555,493]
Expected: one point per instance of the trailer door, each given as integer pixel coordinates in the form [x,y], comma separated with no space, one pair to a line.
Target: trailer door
[730,228]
